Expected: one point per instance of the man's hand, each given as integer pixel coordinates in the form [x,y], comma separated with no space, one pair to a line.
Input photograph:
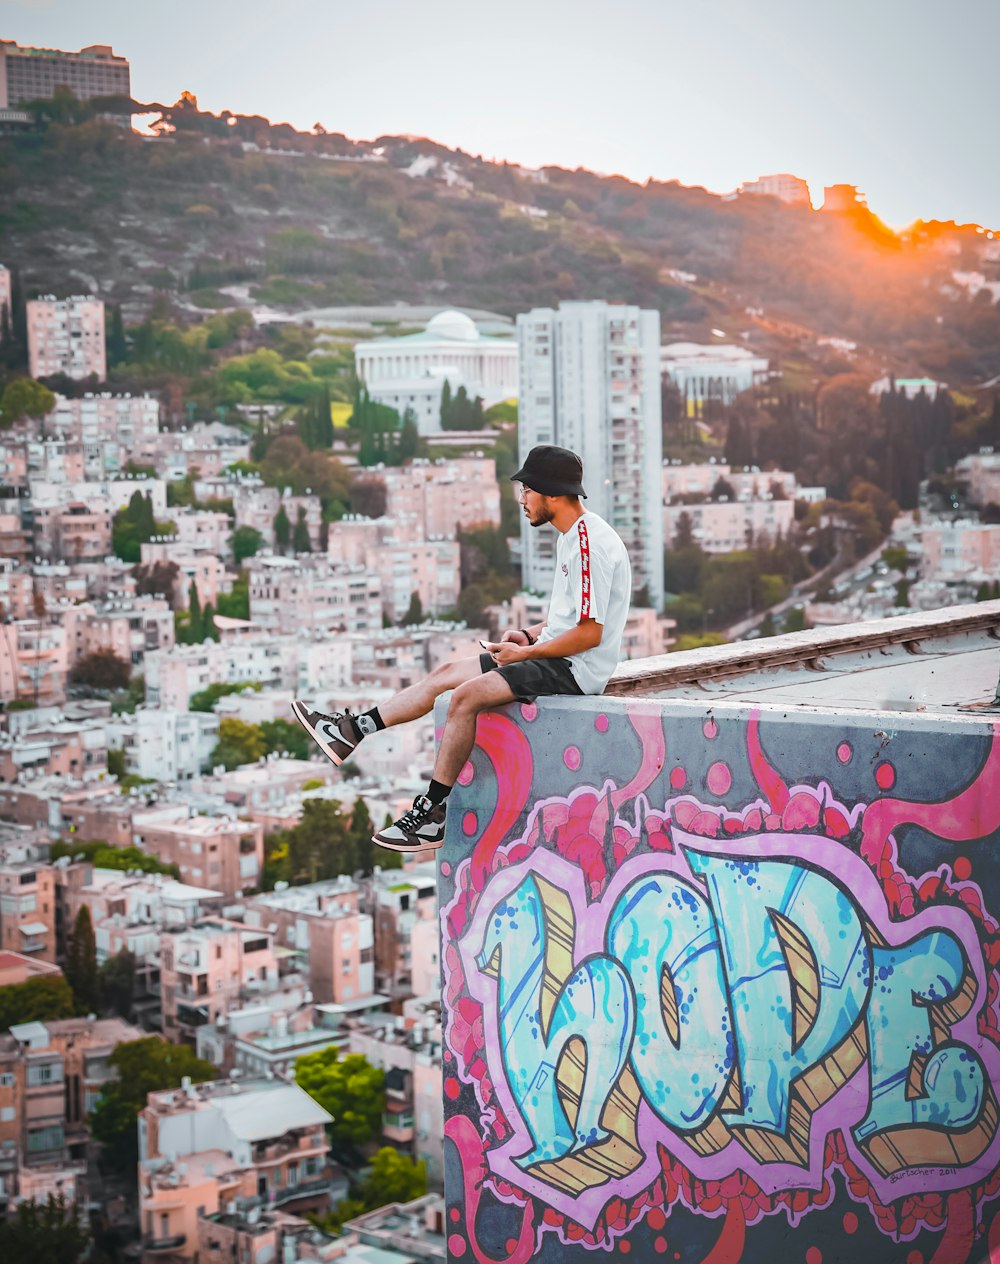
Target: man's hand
[514,636]
[507,651]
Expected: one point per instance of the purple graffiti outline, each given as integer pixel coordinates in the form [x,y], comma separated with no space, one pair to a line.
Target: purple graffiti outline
[819,852]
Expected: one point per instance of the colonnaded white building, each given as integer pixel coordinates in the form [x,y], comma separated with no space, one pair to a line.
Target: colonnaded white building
[590,381]
[410,372]
[712,372]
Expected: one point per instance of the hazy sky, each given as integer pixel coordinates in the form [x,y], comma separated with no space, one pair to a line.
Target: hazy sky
[901,97]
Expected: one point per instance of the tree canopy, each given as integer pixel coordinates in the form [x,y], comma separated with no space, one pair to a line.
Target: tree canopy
[350,1088]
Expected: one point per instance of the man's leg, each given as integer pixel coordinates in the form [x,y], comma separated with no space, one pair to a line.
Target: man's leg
[459,736]
[338,735]
[422,827]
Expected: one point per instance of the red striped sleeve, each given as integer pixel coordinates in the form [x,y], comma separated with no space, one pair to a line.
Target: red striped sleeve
[584,571]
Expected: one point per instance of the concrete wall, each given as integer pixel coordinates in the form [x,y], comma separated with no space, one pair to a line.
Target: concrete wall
[722,986]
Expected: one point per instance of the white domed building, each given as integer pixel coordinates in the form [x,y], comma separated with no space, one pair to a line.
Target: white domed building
[410,372]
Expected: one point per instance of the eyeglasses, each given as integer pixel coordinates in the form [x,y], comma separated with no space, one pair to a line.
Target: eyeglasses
[521,491]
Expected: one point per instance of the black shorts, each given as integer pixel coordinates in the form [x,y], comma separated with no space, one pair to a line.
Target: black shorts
[534,677]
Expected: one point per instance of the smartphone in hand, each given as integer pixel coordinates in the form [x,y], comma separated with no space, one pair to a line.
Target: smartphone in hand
[490,649]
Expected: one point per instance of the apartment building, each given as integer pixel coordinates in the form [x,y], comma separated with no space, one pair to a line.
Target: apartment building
[321,922]
[34,74]
[171,746]
[51,1075]
[264,1037]
[980,473]
[399,902]
[262,1236]
[198,564]
[787,188]
[33,662]
[206,968]
[430,568]
[962,552]
[408,1048]
[228,1144]
[27,909]
[220,852]
[73,532]
[66,336]
[288,594]
[131,627]
[590,381]
[60,748]
[300,663]
[16,589]
[111,430]
[720,526]
[204,451]
[700,479]
[442,495]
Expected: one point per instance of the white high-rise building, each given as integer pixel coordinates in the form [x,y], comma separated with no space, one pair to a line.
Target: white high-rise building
[590,381]
[66,336]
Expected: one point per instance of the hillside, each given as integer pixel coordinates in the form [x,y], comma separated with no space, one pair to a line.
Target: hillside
[306,220]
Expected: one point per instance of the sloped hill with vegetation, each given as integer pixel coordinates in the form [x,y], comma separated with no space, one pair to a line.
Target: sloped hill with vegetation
[303,220]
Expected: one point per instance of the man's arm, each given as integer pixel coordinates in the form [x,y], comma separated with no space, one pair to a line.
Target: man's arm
[584,636]
[522,636]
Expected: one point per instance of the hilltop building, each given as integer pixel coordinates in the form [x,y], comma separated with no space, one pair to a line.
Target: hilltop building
[590,381]
[790,189]
[34,74]
[66,336]
[410,372]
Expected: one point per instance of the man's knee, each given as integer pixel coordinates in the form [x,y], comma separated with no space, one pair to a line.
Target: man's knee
[469,696]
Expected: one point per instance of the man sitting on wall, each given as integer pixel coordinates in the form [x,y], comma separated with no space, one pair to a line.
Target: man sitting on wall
[574,651]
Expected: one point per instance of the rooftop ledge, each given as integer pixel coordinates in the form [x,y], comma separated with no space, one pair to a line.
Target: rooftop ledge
[722,949]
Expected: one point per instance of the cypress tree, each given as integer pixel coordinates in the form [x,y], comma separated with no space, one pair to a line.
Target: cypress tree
[446,405]
[300,537]
[195,622]
[282,529]
[209,632]
[117,346]
[81,964]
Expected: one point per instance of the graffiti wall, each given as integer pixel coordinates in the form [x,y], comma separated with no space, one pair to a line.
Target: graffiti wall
[722,986]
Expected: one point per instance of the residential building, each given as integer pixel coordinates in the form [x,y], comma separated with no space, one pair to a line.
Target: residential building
[414,1230]
[302,663]
[197,564]
[721,526]
[34,74]
[788,188]
[219,852]
[322,924]
[980,473]
[28,910]
[263,1037]
[203,451]
[164,745]
[262,1236]
[410,371]
[399,902]
[288,594]
[719,372]
[202,530]
[243,1143]
[33,662]
[36,746]
[51,1075]
[442,495]
[17,967]
[680,480]
[961,552]
[408,1048]
[207,967]
[16,589]
[110,429]
[427,567]
[131,627]
[66,336]
[590,381]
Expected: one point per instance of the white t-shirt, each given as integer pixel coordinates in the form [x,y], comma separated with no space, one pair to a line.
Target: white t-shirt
[593,579]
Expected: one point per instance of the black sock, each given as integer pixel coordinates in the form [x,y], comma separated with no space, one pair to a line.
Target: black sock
[368,722]
[437,792]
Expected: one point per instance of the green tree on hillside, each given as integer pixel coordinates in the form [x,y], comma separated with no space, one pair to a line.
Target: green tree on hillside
[35,1000]
[300,536]
[246,542]
[24,397]
[282,529]
[46,1232]
[351,1089]
[81,964]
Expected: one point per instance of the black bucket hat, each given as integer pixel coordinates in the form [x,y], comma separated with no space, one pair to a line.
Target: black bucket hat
[552,471]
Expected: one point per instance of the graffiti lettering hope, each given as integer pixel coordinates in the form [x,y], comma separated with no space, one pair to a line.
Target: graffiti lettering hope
[734,1009]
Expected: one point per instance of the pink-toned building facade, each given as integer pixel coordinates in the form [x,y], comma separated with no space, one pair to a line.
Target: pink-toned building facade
[28,910]
[33,662]
[444,495]
[323,921]
[404,562]
[197,564]
[218,852]
[206,968]
[66,336]
[721,526]
[248,1143]
[290,594]
[960,552]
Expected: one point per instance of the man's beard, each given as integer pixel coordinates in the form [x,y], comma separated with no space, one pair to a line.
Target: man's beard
[541,517]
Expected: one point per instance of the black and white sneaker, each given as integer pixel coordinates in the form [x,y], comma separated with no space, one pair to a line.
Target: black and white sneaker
[419,829]
[335,735]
